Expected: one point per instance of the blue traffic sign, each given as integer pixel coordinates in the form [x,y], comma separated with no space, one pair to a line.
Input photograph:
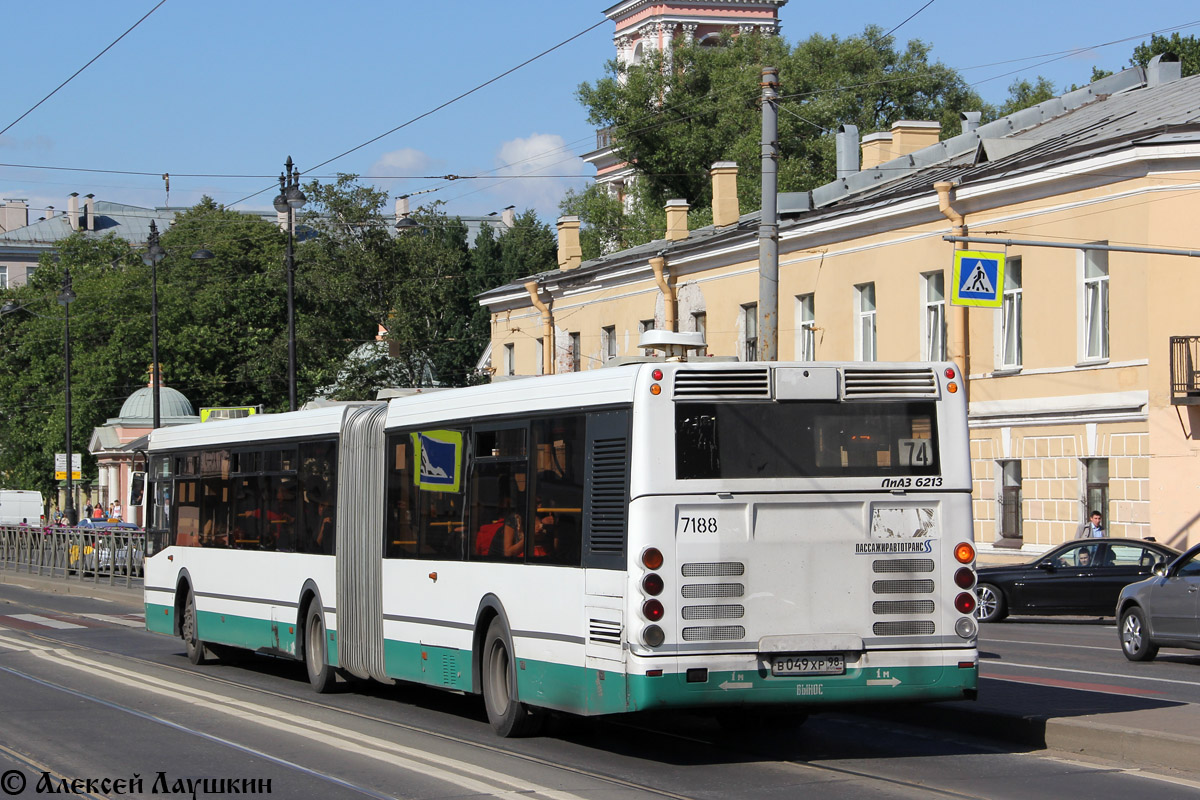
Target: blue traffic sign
[978,279]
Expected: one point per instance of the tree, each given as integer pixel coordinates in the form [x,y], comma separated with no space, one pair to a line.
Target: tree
[673,119]
[1186,47]
[1023,94]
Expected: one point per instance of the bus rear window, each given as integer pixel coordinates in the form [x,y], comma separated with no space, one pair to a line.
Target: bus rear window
[805,440]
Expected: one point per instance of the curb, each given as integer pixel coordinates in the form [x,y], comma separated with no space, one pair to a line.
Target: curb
[44,583]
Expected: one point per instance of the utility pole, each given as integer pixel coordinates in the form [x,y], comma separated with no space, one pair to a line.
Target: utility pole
[768,226]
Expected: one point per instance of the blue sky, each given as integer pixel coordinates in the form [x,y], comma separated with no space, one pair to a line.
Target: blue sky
[225,88]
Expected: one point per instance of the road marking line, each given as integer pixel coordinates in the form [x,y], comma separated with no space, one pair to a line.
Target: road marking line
[1084,672]
[1136,772]
[409,758]
[48,622]
[129,622]
[1056,644]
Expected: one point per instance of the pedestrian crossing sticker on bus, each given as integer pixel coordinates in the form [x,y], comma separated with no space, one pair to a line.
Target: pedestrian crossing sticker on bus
[978,279]
[438,460]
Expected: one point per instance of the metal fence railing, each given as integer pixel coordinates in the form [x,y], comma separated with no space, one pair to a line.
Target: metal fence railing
[98,556]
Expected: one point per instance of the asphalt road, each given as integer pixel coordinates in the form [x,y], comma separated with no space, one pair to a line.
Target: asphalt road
[85,693]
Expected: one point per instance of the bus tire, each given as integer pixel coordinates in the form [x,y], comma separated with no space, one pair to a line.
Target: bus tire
[197,651]
[320,674]
[508,716]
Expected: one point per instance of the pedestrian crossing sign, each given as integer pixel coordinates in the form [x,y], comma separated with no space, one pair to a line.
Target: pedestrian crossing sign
[978,279]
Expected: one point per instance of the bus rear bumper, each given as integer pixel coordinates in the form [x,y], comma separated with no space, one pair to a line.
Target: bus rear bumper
[891,677]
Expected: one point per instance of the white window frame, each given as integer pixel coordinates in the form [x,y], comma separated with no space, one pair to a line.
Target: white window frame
[749,343]
[510,359]
[700,325]
[1010,349]
[643,326]
[806,327]
[608,336]
[576,344]
[541,357]
[933,316]
[3,276]
[866,347]
[1092,301]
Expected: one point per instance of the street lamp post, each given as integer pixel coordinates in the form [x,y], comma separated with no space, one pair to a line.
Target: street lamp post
[289,201]
[65,298]
[154,256]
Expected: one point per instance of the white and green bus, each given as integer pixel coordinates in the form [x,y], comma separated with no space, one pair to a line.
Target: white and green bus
[673,534]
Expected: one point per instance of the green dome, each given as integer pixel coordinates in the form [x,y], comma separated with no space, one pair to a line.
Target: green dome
[172,405]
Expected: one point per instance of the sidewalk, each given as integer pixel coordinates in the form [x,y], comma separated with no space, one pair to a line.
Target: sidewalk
[1133,730]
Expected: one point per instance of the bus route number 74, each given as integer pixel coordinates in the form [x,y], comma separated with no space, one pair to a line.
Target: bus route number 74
[916,452]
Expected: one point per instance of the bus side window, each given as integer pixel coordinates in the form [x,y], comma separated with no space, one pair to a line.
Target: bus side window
[557,529]
[401,524]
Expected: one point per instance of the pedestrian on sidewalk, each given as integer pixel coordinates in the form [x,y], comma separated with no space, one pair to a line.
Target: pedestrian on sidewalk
[1093,528]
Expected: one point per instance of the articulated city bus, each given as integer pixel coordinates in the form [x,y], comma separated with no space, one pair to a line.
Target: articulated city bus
[694,534]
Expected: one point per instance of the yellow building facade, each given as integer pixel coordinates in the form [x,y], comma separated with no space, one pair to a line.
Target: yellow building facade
[1075,400]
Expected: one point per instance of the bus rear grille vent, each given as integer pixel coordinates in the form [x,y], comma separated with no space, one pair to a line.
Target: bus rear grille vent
[902,587]
[608,500]
[904,565]
[873,383]
[714,612]
[902,607]
[723,383]
[713,570]
[912,628]
[699,590]
[603,631]
[714,633]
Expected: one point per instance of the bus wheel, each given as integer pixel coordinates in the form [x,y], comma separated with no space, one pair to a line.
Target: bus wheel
[320,674]
[197,651]
[508,716]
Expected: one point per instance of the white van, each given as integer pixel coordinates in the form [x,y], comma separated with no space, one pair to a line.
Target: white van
[17,505]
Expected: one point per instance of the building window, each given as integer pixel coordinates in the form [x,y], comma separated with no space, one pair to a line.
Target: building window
[864,331]
[750,332]
[1095,489]
[934,320]
[700,326]
[643,326]
[806,328]
[608,337]
[1010,499]
[1010,331]
[1095,305]
[541,357]
[3,277]
[510,359]
[576,359]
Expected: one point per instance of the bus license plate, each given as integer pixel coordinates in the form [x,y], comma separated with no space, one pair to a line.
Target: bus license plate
[823,664]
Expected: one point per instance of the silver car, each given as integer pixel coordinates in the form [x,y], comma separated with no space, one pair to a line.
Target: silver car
[1163,610]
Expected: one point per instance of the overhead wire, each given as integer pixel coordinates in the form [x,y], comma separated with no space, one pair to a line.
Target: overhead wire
[81,69]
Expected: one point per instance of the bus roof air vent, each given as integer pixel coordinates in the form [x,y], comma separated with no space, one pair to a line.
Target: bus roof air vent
[727,383]
[875,384]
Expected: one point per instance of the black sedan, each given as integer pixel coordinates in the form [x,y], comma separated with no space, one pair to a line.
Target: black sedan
[1081,577]
[1162,611]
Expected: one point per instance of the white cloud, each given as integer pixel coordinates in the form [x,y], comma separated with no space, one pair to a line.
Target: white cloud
[537,154]
[405,161]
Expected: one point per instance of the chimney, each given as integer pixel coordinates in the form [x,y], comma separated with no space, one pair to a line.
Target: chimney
[570,256]
[73,210]
[509,217]
[725,199]
[401,208]
[1163,68]
[876,148]
[970,120]
[89,211]
[15,215]
[677,224]
[908,136]
[847,150]
[49,212]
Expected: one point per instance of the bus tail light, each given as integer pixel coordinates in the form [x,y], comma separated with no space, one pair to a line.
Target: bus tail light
[964,552]
[652,584]
[653,636]
[652,558]
[653,610]
[964,578]
[965,603]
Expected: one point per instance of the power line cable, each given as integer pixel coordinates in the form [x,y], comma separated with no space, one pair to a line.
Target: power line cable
[81,69]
